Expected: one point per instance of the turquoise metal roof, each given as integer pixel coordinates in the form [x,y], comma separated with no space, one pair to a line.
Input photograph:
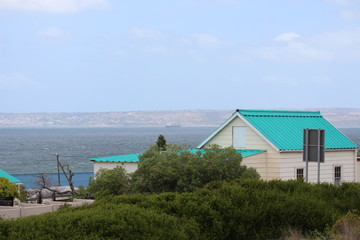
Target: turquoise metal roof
[9,177]
[118,158]
[135,157]
[285,128]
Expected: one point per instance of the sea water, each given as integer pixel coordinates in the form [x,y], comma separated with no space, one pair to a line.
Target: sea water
[26,152]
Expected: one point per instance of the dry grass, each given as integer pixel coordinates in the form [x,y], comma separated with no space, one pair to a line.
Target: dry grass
[347,228]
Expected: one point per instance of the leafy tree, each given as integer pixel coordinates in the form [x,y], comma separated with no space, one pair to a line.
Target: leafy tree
[114,181]
[179,170]
[8,189]
[161,143]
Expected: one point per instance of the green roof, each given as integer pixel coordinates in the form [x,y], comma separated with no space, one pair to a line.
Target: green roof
[285,128]
[9,177]
[129,158]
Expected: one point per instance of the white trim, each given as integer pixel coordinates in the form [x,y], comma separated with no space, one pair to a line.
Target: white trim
[218,130]
[355,167]
[237,114]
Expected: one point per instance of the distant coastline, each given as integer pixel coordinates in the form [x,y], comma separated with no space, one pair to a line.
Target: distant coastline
[340,117]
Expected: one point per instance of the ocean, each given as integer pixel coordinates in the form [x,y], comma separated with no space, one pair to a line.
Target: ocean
[26,152]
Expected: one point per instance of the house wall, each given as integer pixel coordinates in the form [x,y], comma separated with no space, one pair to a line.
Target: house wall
[129,167]
[358,169]
[267,164]
[282,165]
[344,158]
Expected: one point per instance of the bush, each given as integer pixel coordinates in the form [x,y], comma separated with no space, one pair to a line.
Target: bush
[115,181]
[179,170]
[7,189]
[245,209]
[239,209]
[108,221]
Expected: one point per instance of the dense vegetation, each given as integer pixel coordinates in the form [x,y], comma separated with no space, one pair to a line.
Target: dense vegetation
[115,181]
[240,209]
[175,170]
[207,196]
[179,170]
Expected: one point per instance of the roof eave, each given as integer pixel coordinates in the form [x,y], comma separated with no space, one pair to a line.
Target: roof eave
[202,144]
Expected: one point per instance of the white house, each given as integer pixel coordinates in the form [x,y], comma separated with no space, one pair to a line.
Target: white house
[280,134]
[272,143]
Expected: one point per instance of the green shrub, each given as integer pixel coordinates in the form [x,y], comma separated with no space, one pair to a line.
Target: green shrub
[240,209]
[108,221]
[179,170]
[115,181]
[7,189]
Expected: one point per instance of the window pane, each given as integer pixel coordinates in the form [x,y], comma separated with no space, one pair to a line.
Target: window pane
[239,137]
[337,175]
[299,173]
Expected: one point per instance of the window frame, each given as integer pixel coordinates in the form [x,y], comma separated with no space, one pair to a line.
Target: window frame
[244,135]
[297,173]
[337,179]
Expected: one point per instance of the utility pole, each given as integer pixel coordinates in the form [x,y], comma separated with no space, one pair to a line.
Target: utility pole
[58,167]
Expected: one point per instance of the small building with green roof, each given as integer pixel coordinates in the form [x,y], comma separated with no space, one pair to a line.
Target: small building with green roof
[280,135]
[9,177]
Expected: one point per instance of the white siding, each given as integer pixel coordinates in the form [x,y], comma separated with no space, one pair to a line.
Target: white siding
[343,158]
[267,164]
[129,167]
[358,171]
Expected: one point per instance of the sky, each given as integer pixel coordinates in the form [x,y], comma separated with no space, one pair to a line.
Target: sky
[108,55]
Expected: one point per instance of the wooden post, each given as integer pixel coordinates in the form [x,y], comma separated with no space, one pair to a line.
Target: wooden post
[58,167]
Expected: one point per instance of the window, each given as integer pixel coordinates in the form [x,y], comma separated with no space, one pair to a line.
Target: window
[299,173]
[337,175]
[239,137]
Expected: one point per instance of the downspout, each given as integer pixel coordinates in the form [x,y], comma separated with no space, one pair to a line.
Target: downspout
[356,167]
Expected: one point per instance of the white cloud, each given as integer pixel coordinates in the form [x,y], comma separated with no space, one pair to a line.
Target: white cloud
[54,5]
[286,37]
[294,52]
[342,2]
[279,80]
[147,33]
[342,44]
[350,14]
[205,40]
[327,46]
[15,80]
[291,47]
[53,33]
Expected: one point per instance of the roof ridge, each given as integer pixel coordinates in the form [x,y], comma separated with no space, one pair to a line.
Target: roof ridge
[276,111]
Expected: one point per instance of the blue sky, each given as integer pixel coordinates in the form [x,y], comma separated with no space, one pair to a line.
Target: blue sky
[107,55]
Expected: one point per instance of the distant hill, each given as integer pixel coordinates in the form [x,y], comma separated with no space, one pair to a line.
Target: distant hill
[340,117]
